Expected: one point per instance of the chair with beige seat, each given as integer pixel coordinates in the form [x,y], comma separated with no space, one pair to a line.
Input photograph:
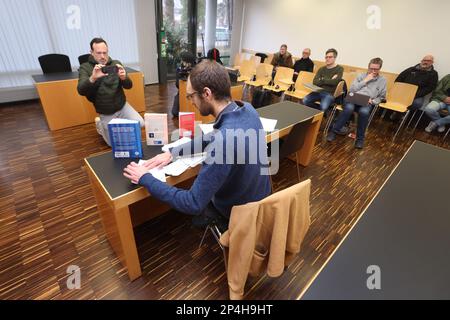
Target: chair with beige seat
[263,75]
[300,91]
[398,98]
[282,80]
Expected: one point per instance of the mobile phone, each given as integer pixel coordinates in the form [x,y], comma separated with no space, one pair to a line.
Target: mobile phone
[110,69]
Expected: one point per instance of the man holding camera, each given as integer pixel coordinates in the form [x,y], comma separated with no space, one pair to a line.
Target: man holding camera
[102,81]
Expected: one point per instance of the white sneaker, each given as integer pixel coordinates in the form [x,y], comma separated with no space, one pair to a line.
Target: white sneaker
[441,129]
[431,127]
[98,126]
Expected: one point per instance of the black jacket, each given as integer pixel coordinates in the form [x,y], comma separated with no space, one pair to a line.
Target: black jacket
[425,80]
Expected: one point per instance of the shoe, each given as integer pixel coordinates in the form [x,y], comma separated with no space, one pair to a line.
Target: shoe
[359,144]
[441,129]
[98,126]
[331,136]
[343,131]
[431,126]
[394,116]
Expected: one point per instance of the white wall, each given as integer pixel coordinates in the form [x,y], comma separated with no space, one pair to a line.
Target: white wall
[146,38]
[409,29]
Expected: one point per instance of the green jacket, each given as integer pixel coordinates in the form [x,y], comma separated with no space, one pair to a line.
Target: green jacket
[442,90]
[106,93]
[324,78]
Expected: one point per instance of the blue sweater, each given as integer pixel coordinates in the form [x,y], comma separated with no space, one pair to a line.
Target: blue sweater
[225,184]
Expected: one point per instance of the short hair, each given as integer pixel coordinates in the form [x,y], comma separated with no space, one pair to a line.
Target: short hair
[378,61]
[212,75]
[283,45]
[97,40]
[333,51]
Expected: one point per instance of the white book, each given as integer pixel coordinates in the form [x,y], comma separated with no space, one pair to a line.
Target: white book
[156,129]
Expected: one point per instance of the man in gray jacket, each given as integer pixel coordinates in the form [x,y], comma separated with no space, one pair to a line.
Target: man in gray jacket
[371,84]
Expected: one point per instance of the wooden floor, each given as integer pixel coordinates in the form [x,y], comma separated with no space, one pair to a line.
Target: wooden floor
[49,220]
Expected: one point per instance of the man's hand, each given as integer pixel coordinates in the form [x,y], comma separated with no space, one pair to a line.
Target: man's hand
[122,72]
[447,100]
[370,101]
[369,77]
[161,160]
[334,77]
[97,73]
[134,172]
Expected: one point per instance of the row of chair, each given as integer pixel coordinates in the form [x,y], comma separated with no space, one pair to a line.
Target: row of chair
[54,63]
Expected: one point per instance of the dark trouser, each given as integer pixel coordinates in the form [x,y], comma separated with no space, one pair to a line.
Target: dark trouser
[363,118]
[211,215]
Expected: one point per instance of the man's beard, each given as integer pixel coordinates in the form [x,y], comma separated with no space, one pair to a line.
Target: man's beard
[205,108]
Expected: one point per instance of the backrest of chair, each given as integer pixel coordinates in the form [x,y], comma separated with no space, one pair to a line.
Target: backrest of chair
[238,58]
[256,60]
[53,63]
[304,77]
[295,140]
[318,64]
[283,76]
[83,58]
[269,58]
[403,93]
[339,91]
[247,69]
[264,72]
[349,77]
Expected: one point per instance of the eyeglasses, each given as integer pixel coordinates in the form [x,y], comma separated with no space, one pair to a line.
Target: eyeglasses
[374,69]
[329,57]
[190,95]
[427,60]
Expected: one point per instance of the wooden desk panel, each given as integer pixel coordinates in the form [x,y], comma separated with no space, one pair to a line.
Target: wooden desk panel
[65,108]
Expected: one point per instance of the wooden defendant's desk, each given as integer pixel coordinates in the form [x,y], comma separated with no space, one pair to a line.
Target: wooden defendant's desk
[122,205]
[64,107]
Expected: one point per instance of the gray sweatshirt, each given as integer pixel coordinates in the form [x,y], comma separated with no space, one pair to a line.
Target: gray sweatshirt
[375,88]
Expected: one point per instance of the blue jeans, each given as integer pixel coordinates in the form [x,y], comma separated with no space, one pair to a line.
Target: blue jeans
[326,99]
[432,111]
[363,119]
[417,104]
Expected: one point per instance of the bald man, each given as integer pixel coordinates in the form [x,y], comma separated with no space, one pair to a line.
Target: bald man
[303,64]
[424,76]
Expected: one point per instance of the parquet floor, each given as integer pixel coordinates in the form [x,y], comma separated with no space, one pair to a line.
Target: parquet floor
[48,217]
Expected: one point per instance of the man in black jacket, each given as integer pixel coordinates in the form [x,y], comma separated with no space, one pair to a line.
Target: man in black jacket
[424,76]
[104,88]
[303,64]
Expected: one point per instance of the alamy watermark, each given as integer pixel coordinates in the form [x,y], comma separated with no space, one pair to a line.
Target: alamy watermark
[374,280]
[74,280]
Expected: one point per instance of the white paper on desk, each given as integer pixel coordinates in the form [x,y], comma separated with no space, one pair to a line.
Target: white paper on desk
[176,144]
[155,172]
[207,128]
[182,164]
[268,124]
[195,160]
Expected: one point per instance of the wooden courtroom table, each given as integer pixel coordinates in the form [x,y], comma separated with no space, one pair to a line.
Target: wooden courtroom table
[404,232]
[187,106]
[65,108]
[122,205]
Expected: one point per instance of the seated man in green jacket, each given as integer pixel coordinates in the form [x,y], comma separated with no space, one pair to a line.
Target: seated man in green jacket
[327,78]
[105,90]
[440,100]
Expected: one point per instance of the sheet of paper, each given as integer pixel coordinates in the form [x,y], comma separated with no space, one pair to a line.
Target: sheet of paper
[176,168]
[207,128]
[268,124]
[155,172]
[175,144]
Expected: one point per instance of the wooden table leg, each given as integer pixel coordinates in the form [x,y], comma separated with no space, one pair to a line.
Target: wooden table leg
[305,154]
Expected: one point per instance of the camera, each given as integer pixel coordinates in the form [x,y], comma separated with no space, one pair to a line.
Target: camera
[110,69]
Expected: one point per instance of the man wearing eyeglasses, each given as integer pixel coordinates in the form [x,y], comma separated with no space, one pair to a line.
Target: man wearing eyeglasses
[371,84]
[303,64]
[424,77]
[327,78]
[227,178]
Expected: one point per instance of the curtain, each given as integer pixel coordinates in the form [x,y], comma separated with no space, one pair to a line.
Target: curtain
[31,28]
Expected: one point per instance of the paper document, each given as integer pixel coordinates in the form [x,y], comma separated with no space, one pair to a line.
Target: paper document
[182,164]
[268,124]
[155,172]
[207,128]
[312,87]
[175,144]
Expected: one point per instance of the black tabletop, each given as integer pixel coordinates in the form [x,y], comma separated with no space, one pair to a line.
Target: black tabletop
[287,113]
[405,231]
[110,171]
[49,77]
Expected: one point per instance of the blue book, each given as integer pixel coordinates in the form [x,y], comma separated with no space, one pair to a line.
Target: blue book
[125,137]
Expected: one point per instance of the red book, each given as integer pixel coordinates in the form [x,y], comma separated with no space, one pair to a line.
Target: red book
[186,123]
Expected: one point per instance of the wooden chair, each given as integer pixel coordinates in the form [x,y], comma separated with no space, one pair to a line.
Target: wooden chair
[256,60]
[246,71]
[238,59]
[338,92]
[282,80]
[263,75]
[300,91]
[398,99]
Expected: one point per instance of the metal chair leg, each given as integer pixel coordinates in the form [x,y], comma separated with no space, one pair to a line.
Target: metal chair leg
[329,121]
[411,118]
[401,125]
[204,235]
[417,123]
[446,134]
[372,115]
